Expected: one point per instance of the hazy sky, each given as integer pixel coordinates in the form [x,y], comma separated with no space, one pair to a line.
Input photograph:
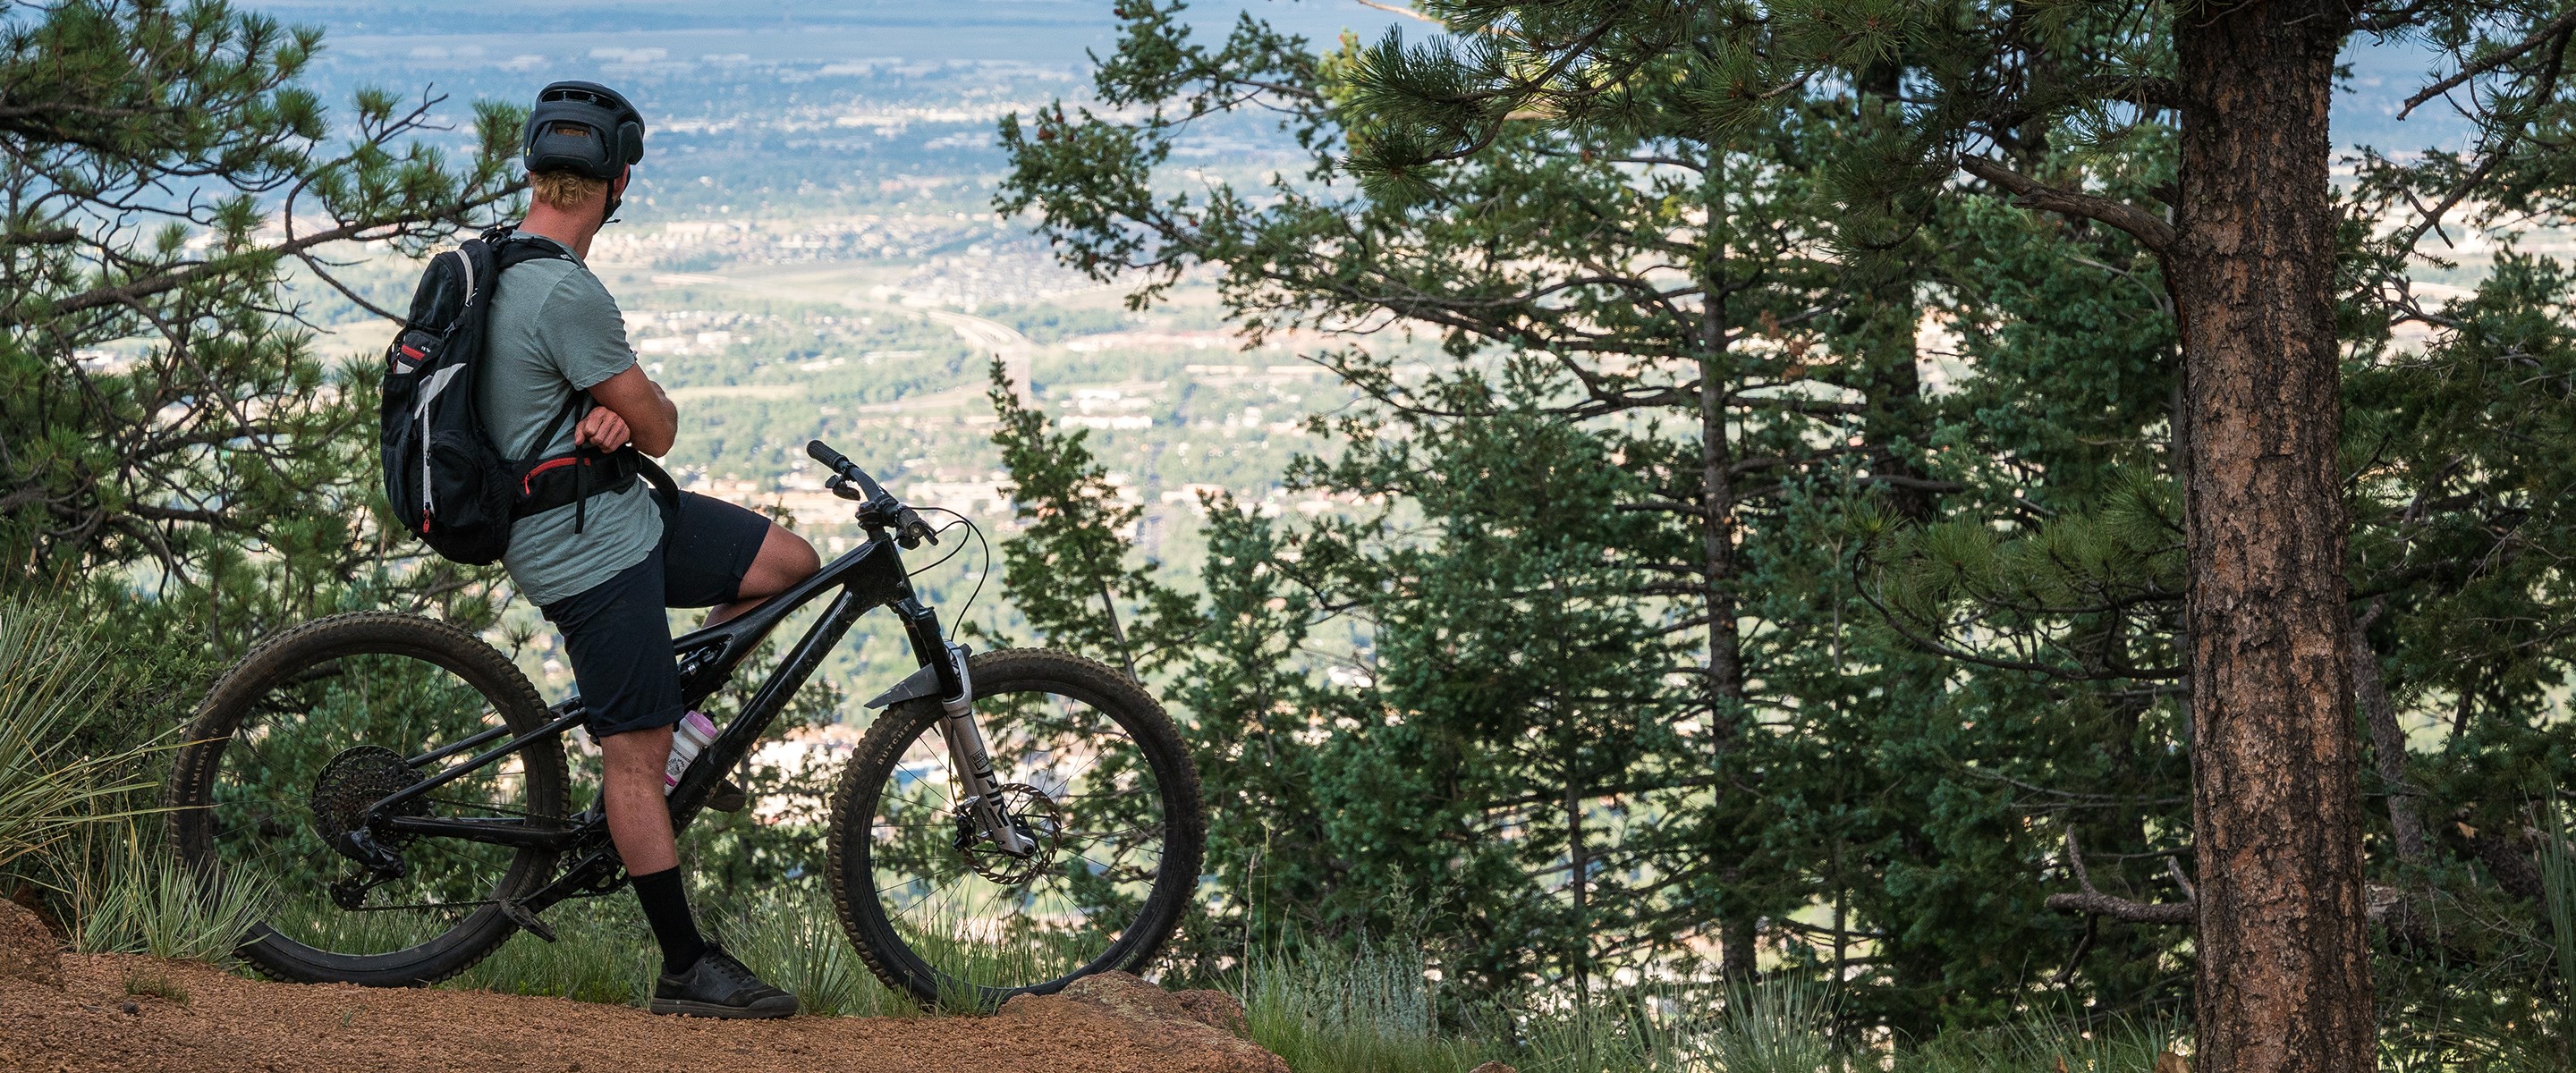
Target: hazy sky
[571,34]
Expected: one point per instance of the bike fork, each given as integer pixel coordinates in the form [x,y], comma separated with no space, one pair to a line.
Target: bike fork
[970,763]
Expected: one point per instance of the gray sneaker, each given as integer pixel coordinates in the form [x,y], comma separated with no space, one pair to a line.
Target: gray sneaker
[719,986]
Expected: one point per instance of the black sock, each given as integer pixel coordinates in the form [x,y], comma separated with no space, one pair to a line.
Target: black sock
[666,907]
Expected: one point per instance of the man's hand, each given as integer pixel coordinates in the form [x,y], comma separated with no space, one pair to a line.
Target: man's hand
[636,411]
[603,429]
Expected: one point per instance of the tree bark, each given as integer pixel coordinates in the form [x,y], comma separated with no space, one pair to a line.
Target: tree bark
[2284,975]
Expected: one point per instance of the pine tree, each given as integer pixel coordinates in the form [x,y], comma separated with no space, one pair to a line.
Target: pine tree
[1070,569]
[161,408]
[1671,290]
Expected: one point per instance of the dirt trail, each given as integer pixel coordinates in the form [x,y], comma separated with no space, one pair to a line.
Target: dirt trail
[232,1024]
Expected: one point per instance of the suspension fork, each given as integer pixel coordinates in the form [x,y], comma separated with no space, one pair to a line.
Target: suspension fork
[970,763]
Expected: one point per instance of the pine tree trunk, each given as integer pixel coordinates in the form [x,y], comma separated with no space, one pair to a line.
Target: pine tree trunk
[1579,873]
[1724,681]
[1889,315]
[2387,740]
[2284,974]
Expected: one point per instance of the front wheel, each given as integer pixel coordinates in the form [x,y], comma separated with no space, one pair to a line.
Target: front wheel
[1090,764]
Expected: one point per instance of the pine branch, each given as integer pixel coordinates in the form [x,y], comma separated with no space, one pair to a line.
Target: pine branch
[2559,28]
[2027,192]
[2095,903]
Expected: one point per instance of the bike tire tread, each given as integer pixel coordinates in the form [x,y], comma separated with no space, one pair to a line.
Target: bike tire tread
[218,716]
[882,747]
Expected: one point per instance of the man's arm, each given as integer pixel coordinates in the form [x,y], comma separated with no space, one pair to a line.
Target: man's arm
[631,408]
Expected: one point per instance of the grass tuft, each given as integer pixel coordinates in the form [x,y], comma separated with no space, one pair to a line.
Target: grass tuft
[602,952]
[792,937]
[149,903]
[142,983]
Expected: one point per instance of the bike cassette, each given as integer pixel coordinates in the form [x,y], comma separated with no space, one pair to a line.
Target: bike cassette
[1037,818]
[351,784]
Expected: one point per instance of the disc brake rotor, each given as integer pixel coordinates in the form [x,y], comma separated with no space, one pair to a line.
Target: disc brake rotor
[1038,819]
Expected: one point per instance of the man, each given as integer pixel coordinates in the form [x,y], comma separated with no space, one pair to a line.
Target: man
[604,570]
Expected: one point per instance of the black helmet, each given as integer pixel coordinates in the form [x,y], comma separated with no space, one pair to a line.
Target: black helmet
[583,127]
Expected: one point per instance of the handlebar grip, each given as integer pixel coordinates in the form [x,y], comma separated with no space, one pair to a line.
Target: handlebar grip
[823,453]
[841,464]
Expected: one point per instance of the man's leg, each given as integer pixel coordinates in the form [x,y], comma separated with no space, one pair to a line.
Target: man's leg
[784,560]
[639,822]
[639,817]
[618,639]
[617,636]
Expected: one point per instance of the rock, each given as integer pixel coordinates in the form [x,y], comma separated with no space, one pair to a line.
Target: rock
[1210,1023]
[27,951]
[129,1008]
[1217,1010]
[1493,1067]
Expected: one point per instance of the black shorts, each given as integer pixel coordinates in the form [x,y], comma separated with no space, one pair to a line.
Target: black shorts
[615,633]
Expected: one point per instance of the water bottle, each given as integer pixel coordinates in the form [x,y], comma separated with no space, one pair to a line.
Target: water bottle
[687,740]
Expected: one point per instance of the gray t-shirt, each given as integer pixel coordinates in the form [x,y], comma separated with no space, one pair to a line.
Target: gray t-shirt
[554,331]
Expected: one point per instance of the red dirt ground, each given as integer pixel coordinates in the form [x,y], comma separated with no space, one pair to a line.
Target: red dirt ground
[231,1024]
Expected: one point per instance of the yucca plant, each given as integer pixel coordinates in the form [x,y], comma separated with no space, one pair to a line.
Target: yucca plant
[1370,1008]
[2558,902]
[49,668]
[146,902]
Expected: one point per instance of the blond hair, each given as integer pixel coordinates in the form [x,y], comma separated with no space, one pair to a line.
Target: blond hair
[565,189]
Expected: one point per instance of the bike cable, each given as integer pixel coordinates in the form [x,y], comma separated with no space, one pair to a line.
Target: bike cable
[980,575]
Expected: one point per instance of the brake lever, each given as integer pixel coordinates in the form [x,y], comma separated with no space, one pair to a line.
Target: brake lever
[910,530]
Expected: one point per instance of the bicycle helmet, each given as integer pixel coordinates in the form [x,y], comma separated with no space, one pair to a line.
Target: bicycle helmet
[585,128]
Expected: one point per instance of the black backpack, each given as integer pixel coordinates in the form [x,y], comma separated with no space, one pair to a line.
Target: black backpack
[447,482]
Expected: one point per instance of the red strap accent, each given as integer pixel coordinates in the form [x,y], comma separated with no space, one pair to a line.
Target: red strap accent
[526,484]
[415,355]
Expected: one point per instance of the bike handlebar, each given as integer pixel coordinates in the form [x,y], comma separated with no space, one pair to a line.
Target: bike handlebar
[841,464]
[909,529]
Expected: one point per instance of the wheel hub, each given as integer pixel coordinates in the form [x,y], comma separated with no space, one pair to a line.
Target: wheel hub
[1038,819]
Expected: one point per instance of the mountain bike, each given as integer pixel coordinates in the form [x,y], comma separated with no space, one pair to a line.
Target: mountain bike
[1009,822]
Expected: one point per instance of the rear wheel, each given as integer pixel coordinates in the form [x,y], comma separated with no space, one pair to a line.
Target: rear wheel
[321,722]
[1090,764]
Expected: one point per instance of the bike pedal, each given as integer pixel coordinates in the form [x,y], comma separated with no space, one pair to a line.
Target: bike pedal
[527,921]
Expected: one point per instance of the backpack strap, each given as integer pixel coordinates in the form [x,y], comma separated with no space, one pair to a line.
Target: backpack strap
[510,247]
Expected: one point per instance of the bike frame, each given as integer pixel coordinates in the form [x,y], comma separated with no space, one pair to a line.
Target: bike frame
[868,577]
